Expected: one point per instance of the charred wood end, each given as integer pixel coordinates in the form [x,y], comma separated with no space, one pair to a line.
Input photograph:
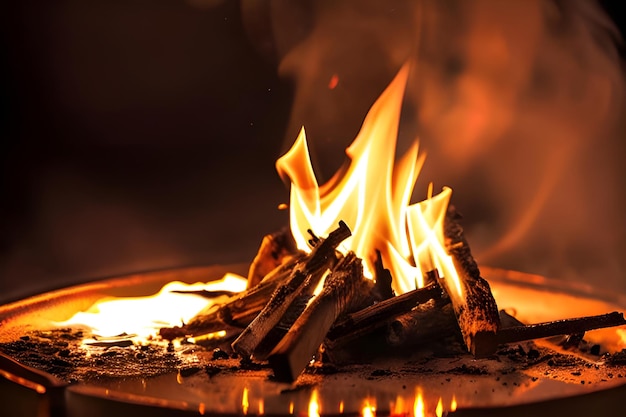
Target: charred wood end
[383,279]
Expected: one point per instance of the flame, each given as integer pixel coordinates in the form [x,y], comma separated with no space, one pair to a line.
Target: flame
[369,408]
[245,404]
[142,317]
[439,409]
[314,405]
[418,408]
[453,404]
[372,195]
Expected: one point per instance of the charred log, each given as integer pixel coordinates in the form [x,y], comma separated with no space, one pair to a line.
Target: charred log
[570,326]
[473,303]
[301,283]
[340,292]
[374,317]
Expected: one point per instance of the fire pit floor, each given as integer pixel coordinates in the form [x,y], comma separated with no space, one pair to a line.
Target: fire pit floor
[198,379]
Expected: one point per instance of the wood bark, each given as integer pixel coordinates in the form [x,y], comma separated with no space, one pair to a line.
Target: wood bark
[475,307]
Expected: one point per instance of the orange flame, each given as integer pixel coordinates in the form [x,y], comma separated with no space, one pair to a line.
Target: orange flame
[314,405]
[371,195]
[144,316]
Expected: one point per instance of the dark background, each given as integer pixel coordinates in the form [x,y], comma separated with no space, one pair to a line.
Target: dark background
[137,135]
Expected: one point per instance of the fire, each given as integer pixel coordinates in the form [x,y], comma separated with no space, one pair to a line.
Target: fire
[142,317]
[418,408]
[314,405]
[372,194]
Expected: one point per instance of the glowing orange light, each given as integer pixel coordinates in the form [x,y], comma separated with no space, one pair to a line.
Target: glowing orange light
[439,409]
[334,80]
[453,404]
[372,194]
[369,408]
[201,409]
[245,404]
[399,407]
[341,406]
[144,316]
[261,407]
[418,407]
[291,407]
[314,406]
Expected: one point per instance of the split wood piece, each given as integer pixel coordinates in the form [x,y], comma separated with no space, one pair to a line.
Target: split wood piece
[475,308]
[426,323]
[295,350]
[376,316]
[275,248]
[560,327]
[302,281]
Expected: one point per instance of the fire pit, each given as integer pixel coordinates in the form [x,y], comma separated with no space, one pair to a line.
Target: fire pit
[193,380]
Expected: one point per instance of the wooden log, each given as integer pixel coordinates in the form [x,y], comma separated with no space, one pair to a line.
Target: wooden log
[369,319]
[302,282]
[426,323]
[559,327]
[275,248]
[296,349]
[474,307]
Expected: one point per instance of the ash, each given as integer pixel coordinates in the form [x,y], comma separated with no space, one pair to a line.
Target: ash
[61,353]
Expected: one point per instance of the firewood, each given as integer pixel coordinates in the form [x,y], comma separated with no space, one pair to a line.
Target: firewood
[569,326]
[242,308]
[299,345]
[275,248]
[302,281]
[475,308]
[369,319]
[426,323]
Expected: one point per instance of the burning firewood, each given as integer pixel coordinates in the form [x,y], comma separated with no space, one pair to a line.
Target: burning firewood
[474,307]
[341,291]
[242,309]
[301,283]
[367,320]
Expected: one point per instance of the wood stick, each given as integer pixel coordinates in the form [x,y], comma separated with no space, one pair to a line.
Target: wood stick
[303,281]
[560,327]
[296,349]
[376,316]
[475,308]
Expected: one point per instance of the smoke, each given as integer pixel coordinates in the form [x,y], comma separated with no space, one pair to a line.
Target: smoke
[516,103]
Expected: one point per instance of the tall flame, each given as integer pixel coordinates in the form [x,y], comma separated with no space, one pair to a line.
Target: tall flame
[371,194]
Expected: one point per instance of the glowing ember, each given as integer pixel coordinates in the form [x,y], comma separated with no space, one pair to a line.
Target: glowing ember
[372,196]
[142,317]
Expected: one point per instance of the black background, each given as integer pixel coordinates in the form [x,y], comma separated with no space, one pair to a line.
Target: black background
[131,131]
